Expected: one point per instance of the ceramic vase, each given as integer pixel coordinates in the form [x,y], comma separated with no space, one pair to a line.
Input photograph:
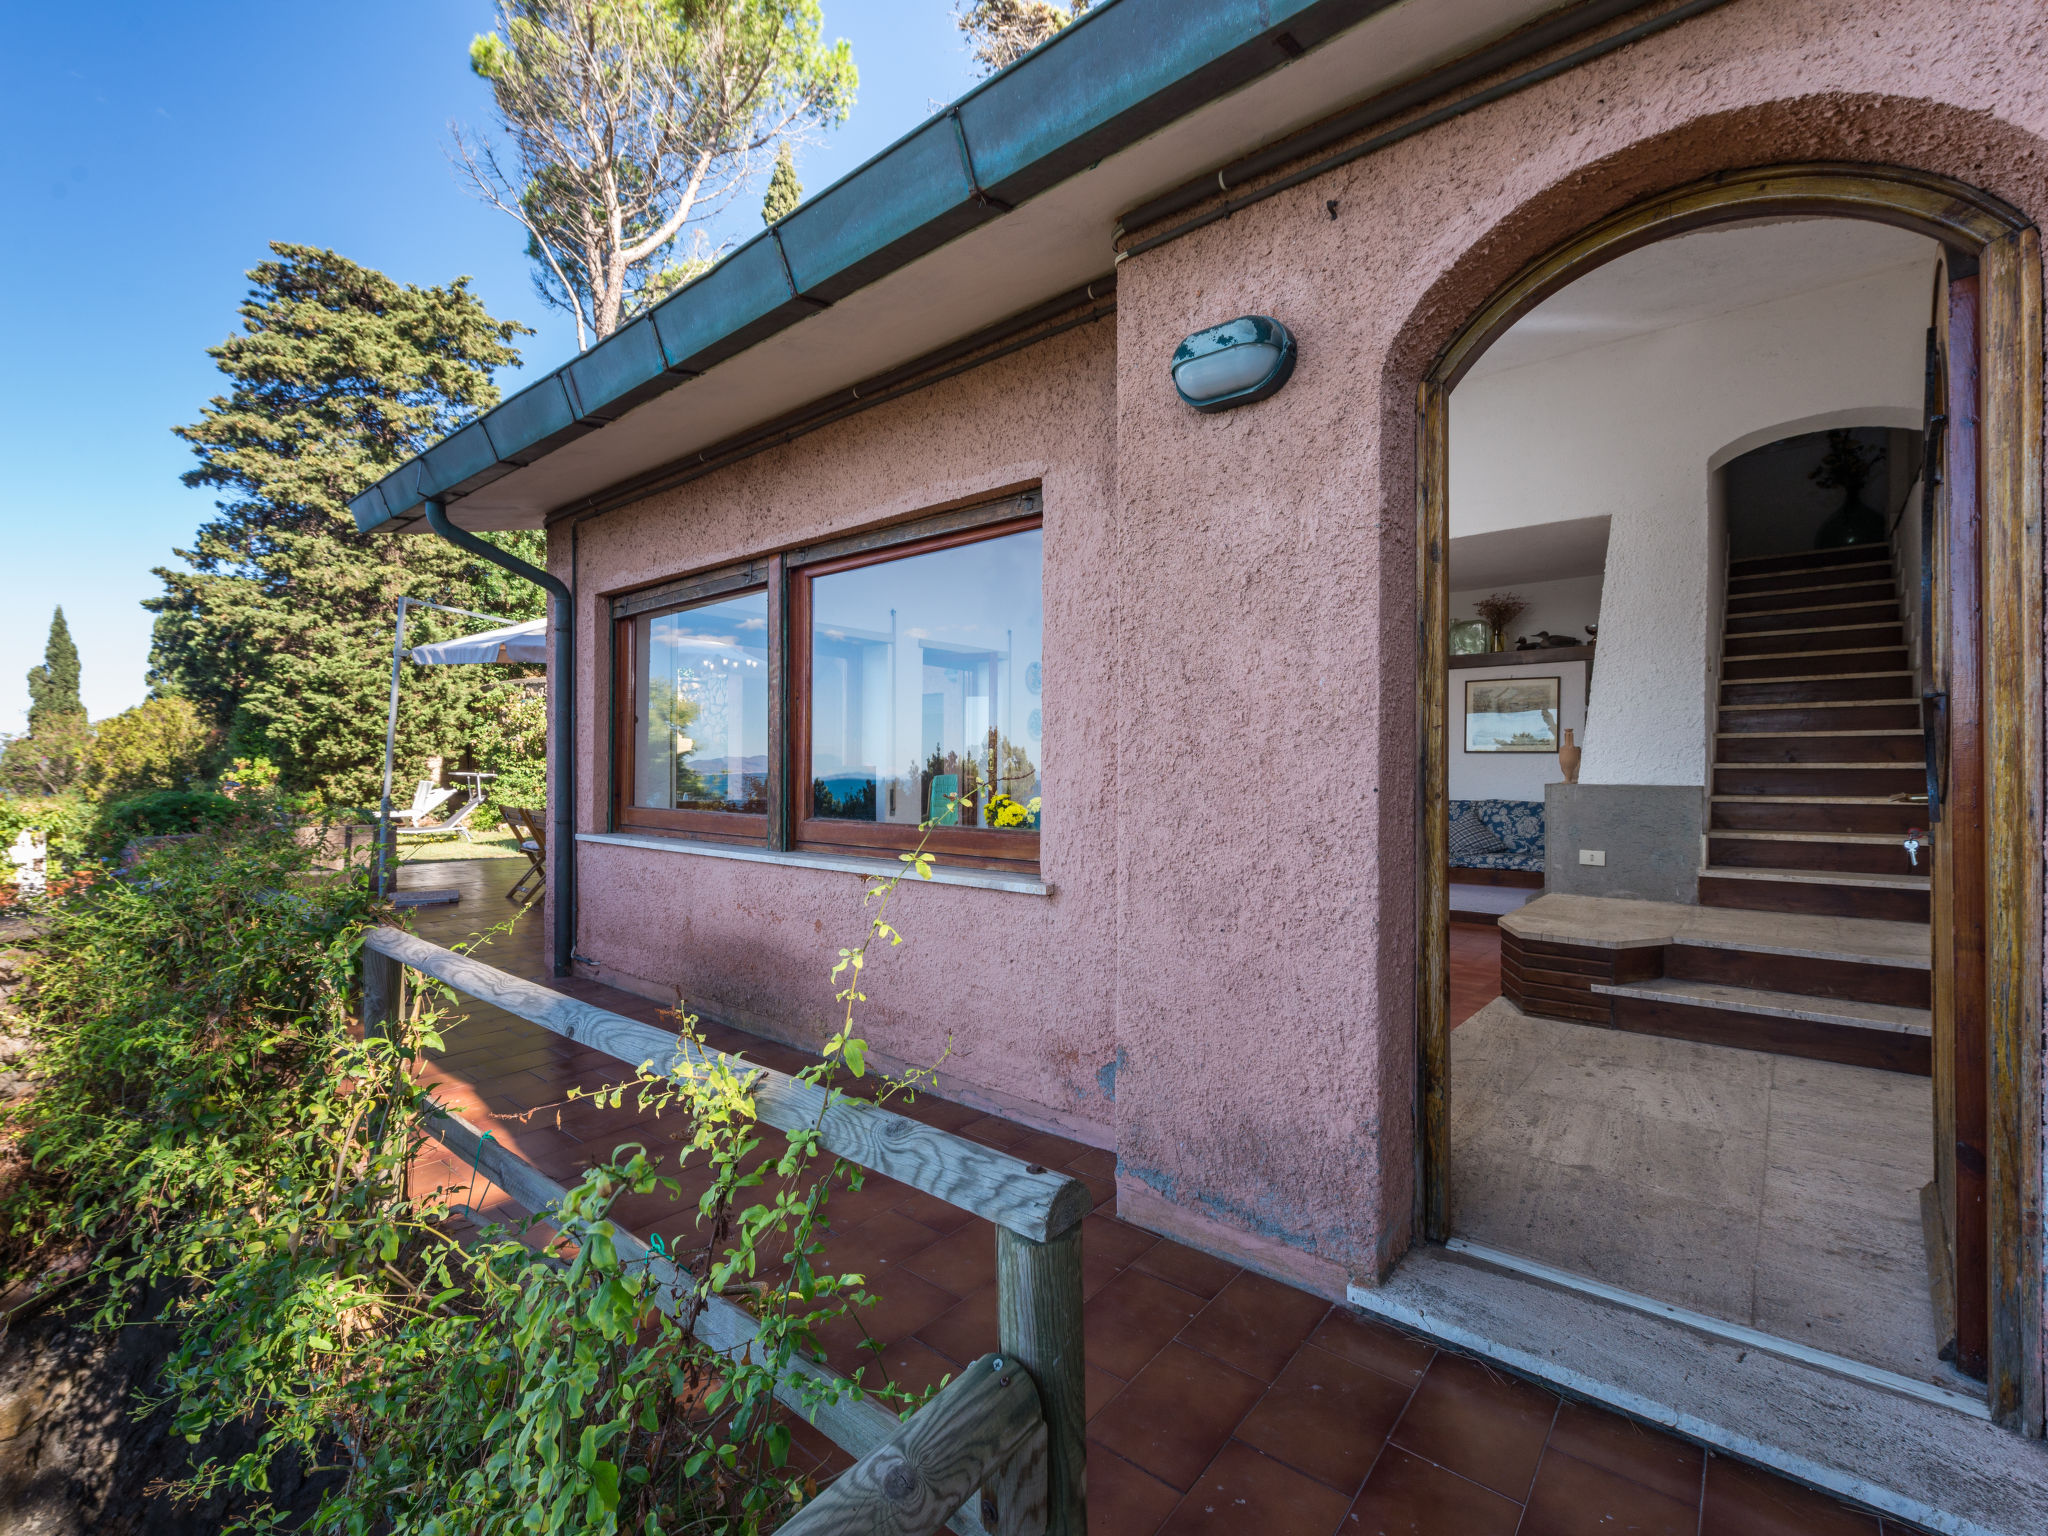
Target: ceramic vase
[1568,756]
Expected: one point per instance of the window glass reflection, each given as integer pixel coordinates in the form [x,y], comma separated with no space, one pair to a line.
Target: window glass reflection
[925,686]
[702,692]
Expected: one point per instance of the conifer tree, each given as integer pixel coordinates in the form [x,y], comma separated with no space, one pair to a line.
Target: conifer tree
[784,190]
[53,686]
[280,629]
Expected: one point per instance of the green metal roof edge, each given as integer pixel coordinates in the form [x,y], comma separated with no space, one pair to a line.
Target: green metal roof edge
[1124,70]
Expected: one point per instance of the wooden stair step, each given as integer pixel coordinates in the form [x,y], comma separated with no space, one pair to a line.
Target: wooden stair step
[1746,583]
[1807,559]
[1817,642]
[1821,615]
[1852,688]
[1818,719]
[1810,664]
[1840,1012]
[1777,604]
[1814,813]
[1830,853]
[1844,976]
[1801,747]
[1834,893]
[1873,1035]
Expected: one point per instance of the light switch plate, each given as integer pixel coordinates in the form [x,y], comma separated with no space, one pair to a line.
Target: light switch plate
[1593,856]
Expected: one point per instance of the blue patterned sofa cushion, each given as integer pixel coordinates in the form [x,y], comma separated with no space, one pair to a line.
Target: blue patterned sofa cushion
[1517,823]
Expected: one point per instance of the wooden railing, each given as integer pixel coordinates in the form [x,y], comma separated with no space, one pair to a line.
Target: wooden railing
[1010,1425]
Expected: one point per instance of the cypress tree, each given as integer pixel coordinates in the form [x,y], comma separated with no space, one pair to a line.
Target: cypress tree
[784,190]
[53,686]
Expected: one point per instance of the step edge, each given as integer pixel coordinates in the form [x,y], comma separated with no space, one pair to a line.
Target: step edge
[1794,952]
[1678,995]
[1846,877]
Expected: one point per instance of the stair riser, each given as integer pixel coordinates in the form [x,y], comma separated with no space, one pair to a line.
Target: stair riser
[1889,1052]
[1867,613]
[1847,858]
[1749,816]
[1746,584]
[1821,749]
[1818,900]
[1903,716]
[1765,779]
[1828,691]
[1815,640]
[1806,560]
[1895,986]
[1746,669]
[1812,597]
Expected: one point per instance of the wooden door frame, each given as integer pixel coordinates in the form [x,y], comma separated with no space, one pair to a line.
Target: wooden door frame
[2007,247]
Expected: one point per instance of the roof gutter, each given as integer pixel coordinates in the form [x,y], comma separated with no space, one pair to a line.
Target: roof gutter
[561,723]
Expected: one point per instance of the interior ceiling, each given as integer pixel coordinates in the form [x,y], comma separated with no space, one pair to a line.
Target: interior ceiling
[1693,277]
[1536,552]
[1050,245]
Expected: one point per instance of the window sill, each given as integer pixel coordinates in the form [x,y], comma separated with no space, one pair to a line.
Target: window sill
[847,864]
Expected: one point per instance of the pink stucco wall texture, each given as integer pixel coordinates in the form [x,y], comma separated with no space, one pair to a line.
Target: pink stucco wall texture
[1008,992]
[1230,750]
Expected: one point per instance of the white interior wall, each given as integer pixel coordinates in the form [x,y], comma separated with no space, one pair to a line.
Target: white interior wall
[1633,429]
[1564,607]
[1513,775]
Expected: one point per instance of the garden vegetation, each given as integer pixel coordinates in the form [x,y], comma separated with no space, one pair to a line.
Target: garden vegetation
[209,1125]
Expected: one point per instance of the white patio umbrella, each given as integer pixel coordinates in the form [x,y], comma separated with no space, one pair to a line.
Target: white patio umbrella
[526,642]
[510,642]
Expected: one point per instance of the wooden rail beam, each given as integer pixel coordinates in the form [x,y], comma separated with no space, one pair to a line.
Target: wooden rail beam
[1026,1199]
[856,1424]
[986,1418]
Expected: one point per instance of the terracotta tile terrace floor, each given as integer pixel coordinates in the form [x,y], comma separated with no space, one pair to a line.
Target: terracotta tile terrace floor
[1218,1400]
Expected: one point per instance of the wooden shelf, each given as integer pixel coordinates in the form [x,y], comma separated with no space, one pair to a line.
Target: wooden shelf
[1541,658]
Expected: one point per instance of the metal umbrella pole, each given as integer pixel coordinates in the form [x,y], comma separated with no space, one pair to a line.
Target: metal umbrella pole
[387,830]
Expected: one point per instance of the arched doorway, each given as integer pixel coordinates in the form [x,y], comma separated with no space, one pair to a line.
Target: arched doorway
[1982,722]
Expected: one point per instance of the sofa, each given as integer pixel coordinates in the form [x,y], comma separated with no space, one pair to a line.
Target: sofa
[1516,826]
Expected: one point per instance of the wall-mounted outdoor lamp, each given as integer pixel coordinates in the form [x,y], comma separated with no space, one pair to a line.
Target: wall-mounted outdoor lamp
[1243,360]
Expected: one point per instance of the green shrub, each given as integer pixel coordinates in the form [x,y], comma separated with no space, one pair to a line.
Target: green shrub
[165,813]
[209,1124]
[159,744]
[66,822]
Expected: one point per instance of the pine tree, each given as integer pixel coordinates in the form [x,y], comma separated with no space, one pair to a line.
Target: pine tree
[53,686]
[784,190]
[280,630]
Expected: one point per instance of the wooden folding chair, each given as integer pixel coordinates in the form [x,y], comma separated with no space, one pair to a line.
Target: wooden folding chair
[533,842]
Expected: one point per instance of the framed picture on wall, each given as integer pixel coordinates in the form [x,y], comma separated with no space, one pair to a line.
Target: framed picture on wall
[1517,714]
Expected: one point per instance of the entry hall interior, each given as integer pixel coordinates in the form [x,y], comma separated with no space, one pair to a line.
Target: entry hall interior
[1689,863]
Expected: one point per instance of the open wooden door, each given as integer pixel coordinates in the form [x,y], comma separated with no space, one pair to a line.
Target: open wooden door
[1952,707]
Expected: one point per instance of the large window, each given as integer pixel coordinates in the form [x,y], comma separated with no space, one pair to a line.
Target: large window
[919,695]
[835,697]
[695,717]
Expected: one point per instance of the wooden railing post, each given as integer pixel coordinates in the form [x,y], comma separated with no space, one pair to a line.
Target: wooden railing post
[1038,1308]
[383,979]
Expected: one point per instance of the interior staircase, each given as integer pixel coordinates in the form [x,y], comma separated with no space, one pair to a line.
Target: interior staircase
[1817,740]
[1811,936]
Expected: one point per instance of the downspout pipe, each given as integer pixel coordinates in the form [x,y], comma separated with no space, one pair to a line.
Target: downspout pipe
[561,728]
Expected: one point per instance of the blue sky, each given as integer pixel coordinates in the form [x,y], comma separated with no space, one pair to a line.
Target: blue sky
[151,151]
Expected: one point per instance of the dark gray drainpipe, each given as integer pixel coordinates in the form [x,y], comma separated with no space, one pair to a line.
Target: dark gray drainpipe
[561,729]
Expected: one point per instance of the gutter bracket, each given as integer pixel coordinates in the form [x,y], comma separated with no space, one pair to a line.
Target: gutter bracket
[981,195]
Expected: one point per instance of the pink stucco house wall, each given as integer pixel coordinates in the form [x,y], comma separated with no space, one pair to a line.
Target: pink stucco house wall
[1217,984]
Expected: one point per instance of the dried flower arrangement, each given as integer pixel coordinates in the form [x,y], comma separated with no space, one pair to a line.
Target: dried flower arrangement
[1500,609]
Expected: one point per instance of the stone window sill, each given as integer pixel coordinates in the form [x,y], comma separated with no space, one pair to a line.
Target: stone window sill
[839,863]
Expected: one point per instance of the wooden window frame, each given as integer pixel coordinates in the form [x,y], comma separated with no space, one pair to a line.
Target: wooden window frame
[981,846]
[679,597]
